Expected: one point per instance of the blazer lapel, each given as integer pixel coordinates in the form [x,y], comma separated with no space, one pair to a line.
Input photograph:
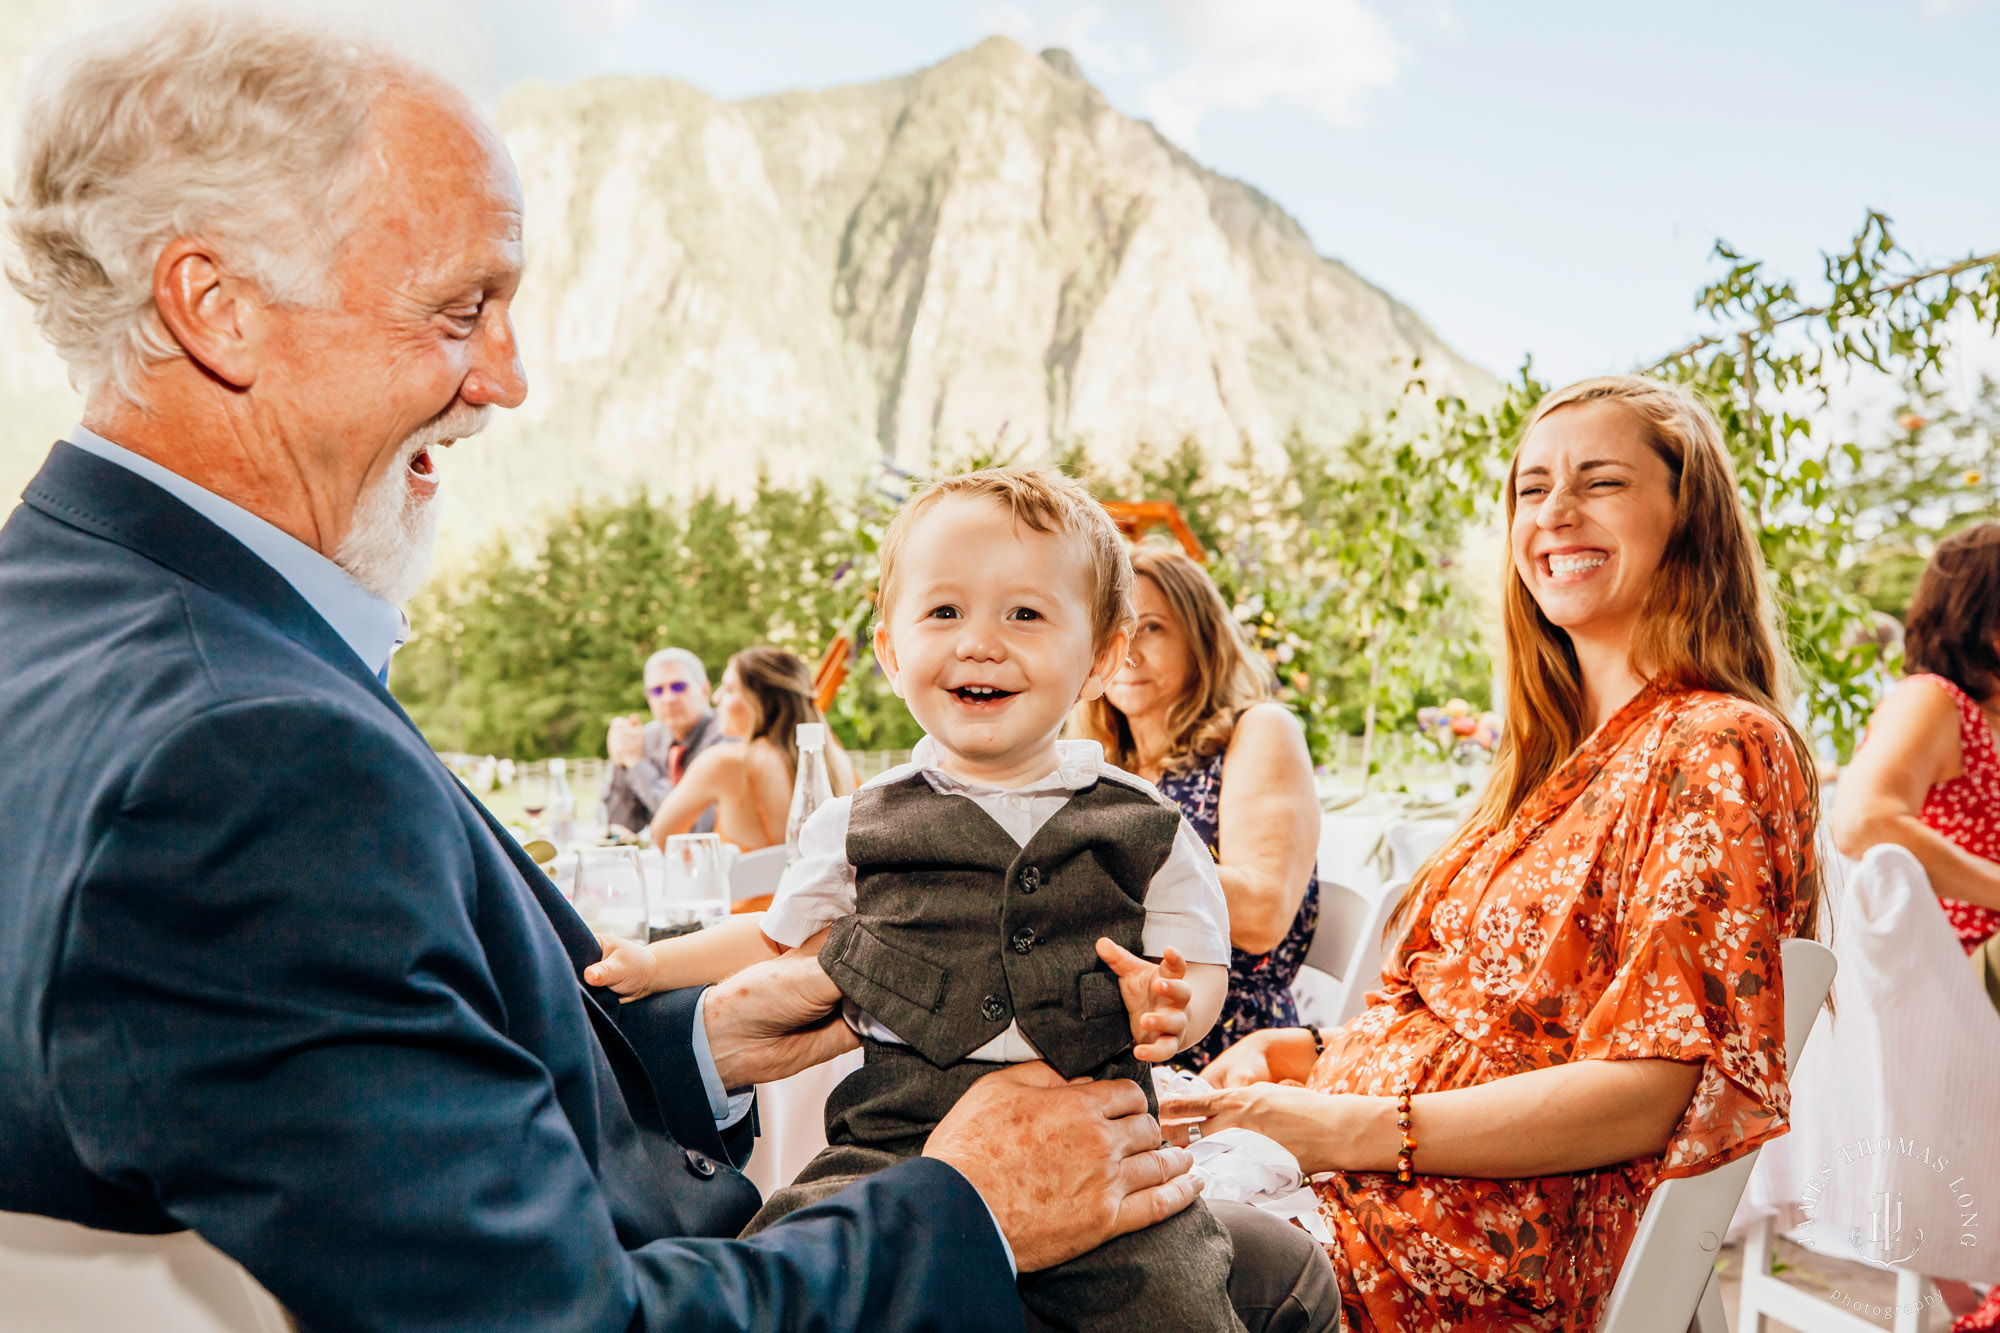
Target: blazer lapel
[108,501]
[84,491]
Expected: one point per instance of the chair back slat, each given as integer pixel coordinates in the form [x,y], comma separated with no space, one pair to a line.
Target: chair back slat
[1672,1258]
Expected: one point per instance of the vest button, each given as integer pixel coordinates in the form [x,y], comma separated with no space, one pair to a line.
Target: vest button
[1031,879]
[1023,940]
[992,1009]
[699,1163]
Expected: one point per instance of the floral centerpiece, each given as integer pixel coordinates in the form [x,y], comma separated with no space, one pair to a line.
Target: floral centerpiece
[1461,737]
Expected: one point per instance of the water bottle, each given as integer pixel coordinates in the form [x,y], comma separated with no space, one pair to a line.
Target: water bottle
[562,805]
[810,789]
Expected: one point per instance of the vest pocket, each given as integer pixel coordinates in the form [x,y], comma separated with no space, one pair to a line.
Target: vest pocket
[1098,994]
[903,974]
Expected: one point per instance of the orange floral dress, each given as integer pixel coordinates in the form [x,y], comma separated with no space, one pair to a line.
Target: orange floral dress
[1632,909]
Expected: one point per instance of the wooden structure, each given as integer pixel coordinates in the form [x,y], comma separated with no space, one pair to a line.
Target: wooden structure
[831,673]
[1135,518]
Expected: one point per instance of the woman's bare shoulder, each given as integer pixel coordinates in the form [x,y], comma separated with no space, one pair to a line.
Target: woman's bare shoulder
[718,761]
[1916,707]
[1922,696]
[1266,724]
[765,760]
[1267,749]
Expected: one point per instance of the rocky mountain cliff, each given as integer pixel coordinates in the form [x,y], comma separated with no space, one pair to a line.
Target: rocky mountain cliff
[980,252]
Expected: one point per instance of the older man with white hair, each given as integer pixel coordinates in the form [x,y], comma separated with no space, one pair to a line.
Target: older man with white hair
[266,971]
[647,760]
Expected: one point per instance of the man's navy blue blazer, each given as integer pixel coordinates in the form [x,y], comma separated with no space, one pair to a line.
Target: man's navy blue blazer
[268,972]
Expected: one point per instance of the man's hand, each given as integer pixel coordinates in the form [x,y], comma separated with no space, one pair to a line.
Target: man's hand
[773,1019]
[1156,998]
[625,743]
[1064,1166]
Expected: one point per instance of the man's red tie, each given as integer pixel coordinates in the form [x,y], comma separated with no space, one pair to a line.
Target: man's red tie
[674,752]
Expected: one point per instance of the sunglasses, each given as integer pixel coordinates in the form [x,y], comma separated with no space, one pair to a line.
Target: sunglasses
[671,687]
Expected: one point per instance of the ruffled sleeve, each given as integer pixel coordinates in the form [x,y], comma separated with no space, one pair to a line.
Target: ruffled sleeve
[1710,890]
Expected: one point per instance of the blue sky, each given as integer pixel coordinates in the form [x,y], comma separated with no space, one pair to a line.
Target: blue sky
[1540,176]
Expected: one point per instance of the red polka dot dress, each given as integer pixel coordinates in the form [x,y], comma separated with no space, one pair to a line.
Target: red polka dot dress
[1967,810]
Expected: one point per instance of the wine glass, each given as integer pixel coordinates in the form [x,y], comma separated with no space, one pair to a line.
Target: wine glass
[694,885]
[610,893]
[534,794]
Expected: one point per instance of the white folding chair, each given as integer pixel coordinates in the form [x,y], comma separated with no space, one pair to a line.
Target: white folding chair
[757,873]
[1910,1064]
[1668,1282]
[1347,947]
[1411,842]
[62,1278]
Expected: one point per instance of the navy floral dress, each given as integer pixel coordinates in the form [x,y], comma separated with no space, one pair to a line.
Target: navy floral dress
[1260,984]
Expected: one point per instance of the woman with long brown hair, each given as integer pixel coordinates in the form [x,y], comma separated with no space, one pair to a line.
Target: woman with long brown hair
[1192,712]
[764,695]
[1585,997]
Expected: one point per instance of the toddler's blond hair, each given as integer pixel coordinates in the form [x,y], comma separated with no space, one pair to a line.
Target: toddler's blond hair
[1046,501]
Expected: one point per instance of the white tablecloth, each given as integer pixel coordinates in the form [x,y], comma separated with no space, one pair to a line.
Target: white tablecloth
[1379,840]
[792,1115]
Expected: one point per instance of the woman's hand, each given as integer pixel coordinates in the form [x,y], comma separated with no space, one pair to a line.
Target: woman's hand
[1275,1055]
[1326,1133]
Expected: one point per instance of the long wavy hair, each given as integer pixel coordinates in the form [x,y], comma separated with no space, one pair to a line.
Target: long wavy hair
[1225,675]
[778,686]
[1707,624]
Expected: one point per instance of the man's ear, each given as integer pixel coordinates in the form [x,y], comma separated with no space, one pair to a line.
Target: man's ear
[885,654]
[212,313]
[1109,663]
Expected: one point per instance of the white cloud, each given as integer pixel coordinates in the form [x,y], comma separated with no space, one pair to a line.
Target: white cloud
[1441,18]
[1323,55]
[597,18]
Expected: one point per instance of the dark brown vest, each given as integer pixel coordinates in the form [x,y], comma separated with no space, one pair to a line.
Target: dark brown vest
[958,930]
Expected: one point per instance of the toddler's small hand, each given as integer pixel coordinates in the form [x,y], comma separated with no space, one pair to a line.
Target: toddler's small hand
[1156,998]
[626,968]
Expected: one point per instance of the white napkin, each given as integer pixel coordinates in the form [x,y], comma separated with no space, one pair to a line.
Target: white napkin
[1243,1166]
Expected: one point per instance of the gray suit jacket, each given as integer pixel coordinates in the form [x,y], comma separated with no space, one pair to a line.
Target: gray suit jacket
[633,795]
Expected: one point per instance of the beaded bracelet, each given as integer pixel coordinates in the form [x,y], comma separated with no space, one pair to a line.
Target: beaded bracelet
[1319,1042]
[1409,1144]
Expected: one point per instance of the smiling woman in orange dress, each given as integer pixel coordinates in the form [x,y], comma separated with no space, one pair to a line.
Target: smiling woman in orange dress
[1586,997]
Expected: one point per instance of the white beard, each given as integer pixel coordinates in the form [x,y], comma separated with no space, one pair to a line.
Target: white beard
[389,541]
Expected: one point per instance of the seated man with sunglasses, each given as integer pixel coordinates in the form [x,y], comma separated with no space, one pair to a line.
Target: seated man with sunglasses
[646,760]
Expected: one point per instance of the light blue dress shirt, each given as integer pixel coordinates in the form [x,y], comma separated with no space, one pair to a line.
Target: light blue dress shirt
[372,627]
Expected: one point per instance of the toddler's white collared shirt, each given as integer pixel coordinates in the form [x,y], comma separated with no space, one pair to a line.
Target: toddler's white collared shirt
[1185,907]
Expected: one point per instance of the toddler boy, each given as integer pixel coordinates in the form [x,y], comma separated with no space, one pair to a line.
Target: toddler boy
[989,902]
